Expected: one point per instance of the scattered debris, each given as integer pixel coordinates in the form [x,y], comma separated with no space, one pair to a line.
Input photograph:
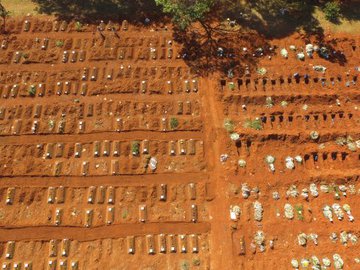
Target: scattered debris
[327,211]
[319,68]
[309,49]
[313,237]
[338,262]
[338,211]
[326,262]
[302,239]
[313,190]
[259,239]
[295,263]
[269,159]
[224,157]
[234,136]
[292,192]
[245,191]
[289,211]
[258,211]
[261,71]
[314,135]
[305,193]
[235,212]
[242,163]
[269,102]
[301,56]
[153,163]
[333,237]
[289,163]
[284,53]
[343,238]
[347,209]
[305,263]
[284,103]
[276,195]
[298,159]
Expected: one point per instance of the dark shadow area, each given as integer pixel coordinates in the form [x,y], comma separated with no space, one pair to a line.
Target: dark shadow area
[277,18]
[213,49]
[210,47]
[334,55]
[135,11]
[350,11]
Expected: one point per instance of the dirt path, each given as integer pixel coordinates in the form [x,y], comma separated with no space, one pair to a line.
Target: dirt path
[84,138]
[220,236]
[130,180]
[88,234]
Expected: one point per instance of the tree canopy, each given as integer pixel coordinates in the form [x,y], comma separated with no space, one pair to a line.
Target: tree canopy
[270,17]
[4,13]
[185,12]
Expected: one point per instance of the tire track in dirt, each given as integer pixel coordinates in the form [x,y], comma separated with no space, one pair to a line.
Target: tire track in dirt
[94,233]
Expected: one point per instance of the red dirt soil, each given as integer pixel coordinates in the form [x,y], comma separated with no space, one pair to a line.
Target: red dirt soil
[74,106]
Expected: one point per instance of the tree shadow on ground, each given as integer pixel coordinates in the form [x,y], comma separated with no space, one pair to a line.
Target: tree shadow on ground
[134,11]
[211,49]
[350,11]
[270,19]
[277,19]
[216,50]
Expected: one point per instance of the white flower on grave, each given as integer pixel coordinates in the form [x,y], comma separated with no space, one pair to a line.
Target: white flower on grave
[242,163]
[235,136]
[269,159]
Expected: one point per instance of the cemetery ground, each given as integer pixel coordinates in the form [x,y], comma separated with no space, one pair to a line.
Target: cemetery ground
[116,155]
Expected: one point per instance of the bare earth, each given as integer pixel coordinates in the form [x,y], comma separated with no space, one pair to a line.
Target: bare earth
[74,196]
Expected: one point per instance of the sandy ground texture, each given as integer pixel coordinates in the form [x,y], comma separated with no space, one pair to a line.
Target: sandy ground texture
[85,116]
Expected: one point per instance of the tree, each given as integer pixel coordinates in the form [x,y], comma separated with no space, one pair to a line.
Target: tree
[3,14]
[185,12]
[332,11]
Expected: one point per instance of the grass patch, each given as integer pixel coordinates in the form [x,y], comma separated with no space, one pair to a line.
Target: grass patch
[196,262]
[332,11]
[254,124]
[184,265]
[124,213]
[174,123]
[59,43]
[229,125]
[269,102]
[20,7]
[51,124]
[351,26]
[232,86]
[135,148]
[78,26]
[299,209]
[32,90]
